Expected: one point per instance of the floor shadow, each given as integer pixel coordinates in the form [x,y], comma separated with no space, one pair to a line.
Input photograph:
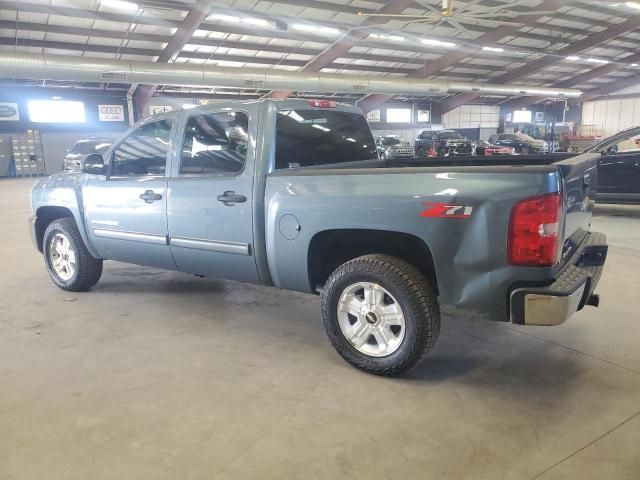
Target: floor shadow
[617,210]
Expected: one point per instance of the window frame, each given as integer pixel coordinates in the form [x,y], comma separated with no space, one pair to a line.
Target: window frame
[110,153]
[179,151]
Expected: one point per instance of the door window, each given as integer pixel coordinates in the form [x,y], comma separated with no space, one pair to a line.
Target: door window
[144,151]
[215,143]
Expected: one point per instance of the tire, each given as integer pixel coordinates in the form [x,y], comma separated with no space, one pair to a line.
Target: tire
[73,277]
[524,151]
[443,153]
[420,153]
[403,287]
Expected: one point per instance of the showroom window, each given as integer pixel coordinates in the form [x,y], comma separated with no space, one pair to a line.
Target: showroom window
[56,111]
[215,143]
[398,115]
[144,151]
[306,138]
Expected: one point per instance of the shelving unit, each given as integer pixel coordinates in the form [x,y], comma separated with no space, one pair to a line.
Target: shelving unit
[28,155]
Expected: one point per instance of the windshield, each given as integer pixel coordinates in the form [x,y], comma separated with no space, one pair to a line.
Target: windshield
[387,141]
[526,137]
[451,136]
[306,138]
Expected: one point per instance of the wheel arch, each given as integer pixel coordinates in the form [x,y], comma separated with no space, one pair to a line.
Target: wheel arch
[329,249]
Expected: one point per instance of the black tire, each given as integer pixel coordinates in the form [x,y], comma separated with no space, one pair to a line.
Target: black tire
[420,152]
[412,292]
[525,151]
[442,152]
[87,269]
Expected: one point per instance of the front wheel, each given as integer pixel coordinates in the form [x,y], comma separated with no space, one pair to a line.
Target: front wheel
[380,313]
[68,262]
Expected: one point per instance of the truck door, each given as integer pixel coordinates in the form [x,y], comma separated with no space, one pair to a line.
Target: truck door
[619,171]
[210,198]
[126,213]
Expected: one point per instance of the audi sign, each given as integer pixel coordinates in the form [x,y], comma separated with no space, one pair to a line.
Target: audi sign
[111,113]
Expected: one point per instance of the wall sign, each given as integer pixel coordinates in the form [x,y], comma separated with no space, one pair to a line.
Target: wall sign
[156,109]
[9,112]
[539,117]
[373,116]
[111,113]
[424,116]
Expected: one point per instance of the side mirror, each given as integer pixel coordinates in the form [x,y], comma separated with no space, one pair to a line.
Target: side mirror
[94,164]
[612,150]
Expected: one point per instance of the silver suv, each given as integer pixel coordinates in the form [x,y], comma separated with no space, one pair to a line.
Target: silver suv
[75,158]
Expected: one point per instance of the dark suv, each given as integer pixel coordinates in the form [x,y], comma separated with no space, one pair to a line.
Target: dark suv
[443,143]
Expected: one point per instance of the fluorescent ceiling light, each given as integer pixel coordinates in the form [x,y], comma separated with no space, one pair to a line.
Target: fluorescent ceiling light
[396,38]
[316,29]
[634,64]
[635,5]
[437,43]
[493,49]
[597,60]
[320,127]
[188,106]
[573,58]
[120,5]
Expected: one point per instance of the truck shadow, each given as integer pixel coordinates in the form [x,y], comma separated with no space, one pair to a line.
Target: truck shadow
[486,355]
[617,210]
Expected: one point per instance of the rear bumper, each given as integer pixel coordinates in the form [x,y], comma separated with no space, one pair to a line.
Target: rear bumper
[571,290]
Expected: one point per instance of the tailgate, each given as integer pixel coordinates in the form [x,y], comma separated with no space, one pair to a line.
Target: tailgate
[580,181]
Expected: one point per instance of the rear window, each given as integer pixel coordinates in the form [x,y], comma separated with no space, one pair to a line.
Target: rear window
[306,138]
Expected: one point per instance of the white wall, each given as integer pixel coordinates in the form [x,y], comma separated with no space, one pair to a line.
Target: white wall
[473,116]
[612,116]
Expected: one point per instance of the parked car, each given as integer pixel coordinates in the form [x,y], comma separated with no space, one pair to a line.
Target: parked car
[393,146]
[76,157]
[443,143]
[482,147]
[308,206]
[619,167]
[521,142]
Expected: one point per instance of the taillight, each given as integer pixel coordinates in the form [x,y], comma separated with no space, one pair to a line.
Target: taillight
[534,231]
[322,103]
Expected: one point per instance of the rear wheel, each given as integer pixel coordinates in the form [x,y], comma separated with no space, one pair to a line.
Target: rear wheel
[380,313]
[420,152]
[68,262]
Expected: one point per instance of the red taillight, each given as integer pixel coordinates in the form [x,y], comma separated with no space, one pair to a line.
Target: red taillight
[534,231]
[322,103]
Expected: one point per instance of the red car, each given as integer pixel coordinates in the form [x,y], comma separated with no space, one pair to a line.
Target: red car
[482,147]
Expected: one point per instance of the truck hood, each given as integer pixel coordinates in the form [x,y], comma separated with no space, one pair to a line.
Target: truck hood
[61,180]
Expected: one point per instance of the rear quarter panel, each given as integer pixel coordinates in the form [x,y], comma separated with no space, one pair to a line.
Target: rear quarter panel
[469,253]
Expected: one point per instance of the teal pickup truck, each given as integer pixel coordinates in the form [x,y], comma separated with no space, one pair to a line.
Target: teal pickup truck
[292,194]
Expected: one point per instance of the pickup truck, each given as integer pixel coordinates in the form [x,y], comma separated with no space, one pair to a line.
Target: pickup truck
[292,194]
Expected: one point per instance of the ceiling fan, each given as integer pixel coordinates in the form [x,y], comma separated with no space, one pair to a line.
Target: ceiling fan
[471,13]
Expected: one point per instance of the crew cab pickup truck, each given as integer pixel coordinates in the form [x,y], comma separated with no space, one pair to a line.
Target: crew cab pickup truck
[292,194]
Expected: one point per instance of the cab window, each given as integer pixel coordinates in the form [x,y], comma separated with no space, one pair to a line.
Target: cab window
[215,143]
[144,151]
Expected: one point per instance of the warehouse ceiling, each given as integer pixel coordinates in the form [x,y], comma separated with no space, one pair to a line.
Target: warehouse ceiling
[589,45]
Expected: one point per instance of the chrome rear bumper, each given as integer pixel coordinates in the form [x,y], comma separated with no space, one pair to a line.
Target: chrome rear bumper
[570,292]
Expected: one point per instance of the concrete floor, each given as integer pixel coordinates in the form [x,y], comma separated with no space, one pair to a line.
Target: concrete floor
[156,375]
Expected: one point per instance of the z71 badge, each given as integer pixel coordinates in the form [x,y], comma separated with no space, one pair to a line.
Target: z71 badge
[443,210]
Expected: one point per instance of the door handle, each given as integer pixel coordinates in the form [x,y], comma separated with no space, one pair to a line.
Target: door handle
[150,196]
[230,198]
